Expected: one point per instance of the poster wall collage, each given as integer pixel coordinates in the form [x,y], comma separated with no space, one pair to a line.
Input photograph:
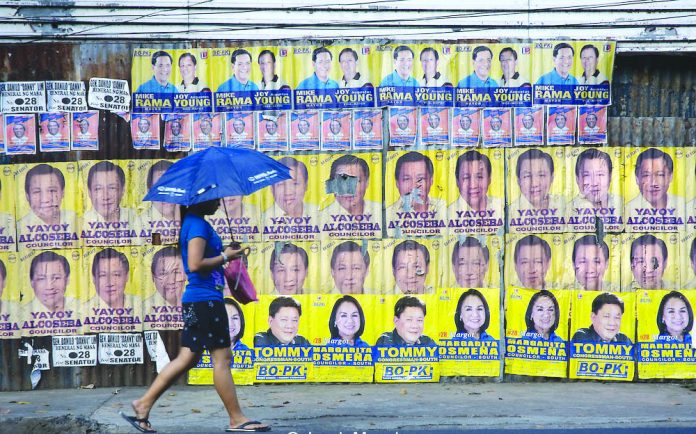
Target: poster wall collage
[399,245]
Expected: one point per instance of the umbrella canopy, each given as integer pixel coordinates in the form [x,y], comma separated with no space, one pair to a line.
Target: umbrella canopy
[216,173]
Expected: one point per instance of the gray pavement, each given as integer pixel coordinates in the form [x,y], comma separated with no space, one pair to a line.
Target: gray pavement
[348,408]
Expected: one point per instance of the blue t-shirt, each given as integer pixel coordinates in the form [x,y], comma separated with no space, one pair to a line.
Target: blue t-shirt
[201,286]
[473,80]
[153,86]
[553,77]
[313,82]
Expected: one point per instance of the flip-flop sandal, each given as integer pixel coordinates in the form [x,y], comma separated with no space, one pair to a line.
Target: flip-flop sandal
[243,427]
[135,422]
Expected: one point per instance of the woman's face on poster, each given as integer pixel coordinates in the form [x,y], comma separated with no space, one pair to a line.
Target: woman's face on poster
[675,316]
[472,314]
[347,320]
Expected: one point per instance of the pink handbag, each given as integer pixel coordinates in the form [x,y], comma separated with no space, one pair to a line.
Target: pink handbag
[239,282]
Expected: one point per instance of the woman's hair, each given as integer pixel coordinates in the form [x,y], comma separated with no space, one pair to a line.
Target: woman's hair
[528,315]
[332,319]
[660,312]
[232,302]
[201,209]
[457,313]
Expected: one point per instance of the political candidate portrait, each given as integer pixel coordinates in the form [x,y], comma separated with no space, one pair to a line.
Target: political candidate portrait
[410,265]
[472,317]
[589,56]
[482,57]
[289,195]
[470,262]
[351,78]
[649,256]
[168,275]
[432,77]
[346,202]
[413,176]
[190,82]
[161,73]
[44,189]
[590,261]
[322,62]
[532,258]
[283,324]
[535,175]
[563,54]
[473,174]
[235,318]
[49,275]
[110,272]
[542,317]
[511,76]
[270,79]
[349,268]
[654,170]
[607,312]
[106,185]
[241,73]
[409,323]
[675,318]
[289,265]
[402,76]
[593,173]
[347,323]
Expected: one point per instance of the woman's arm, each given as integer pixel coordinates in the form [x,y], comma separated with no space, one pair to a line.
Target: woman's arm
[198,264]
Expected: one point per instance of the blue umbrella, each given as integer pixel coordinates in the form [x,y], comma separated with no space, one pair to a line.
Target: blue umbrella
[216,173]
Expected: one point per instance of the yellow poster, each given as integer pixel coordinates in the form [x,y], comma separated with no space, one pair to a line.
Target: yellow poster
[8,226]
[595,196]
[473,261]
[415,193]
[416,266]
[665,323]
[650,261]
[536,190]
[290,268]
[690,187]
[52,301]
[161,220]
[48,204]
[596,262]
[654,189]
[687,263]
[603,326]
[355,267]
[469,332]
[536,332]
[238,218]
[477,205]
[11,314]
[536,261]
[352,204]
[110,199]
[163,281]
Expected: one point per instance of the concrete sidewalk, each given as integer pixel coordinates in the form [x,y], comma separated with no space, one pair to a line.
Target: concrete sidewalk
[364,407]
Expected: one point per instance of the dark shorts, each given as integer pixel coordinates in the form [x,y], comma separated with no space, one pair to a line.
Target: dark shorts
[205,326]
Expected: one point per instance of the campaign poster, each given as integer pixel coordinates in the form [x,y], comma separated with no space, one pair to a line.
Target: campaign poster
[536,261]
[351,207]
[252,78]
[416,266]
[109,195]
[398,84]
[536,332]
[238,219]
[304,130]
[595,261]
[120,349]
[406,353]
[109,94]
[529,126]
[2,133]
[282,353]
[434,127]
[272,131]
[53,293]
[72,351]
[54,132]
[66,96]
[207,130]
[469,332]
[603,332]
[23,97]
[466,127]
[145,131]
[160,220]
[367,130]
[113,289]
[416,197]
[654,187]
[171,81]
[403,127]
[241,321]
[497,127]
[340,352]
[85,131]
[335,130]
[536,191]
[594,182]
[20,134]
[355,267]
[687,256]
[472,261]
[162,280]
[690,187]
[48,200]
[433,74]
[291,207]
[11,312]
[239,130]
[664,347]
[177,132]
[493,75]
[560,125]
[290,268]
[573,72]
[650,261]
[592,125]
[477,205]
[8,226]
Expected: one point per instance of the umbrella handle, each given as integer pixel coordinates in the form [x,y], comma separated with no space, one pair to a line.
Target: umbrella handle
[227,218]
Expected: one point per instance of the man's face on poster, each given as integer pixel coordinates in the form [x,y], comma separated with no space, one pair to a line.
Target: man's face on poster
[289,194]
[508,63]
[528,121]
[45,196]
[563,61]
[482,64]
[366,125]
[350,202]
[591,120]
[322,66]
[607,321]
[429,63]
[434,121]
[535,180]
[242,68]
[414,174]
[470,267]
[170,279]
[404,63]
[143,125]
[168,210]
[402,122]
[531,266]
[162,69]
[594,179]
[84,126]
[560,120]
[410,271]
[654,178]
[473,183]
[590,266]
[53,127]
[18,130]
[271,127]
[303,126]
[589,61]
[410,324]
[49,283]
[289,274]
[465,122]
[496,123]
[335,126]
[176,128]
[349,273]
[206,127]
[106,192]
[285,324]
[110,281]
[648,266]
[349,65]
[232,205]
[238,126]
